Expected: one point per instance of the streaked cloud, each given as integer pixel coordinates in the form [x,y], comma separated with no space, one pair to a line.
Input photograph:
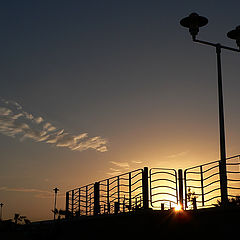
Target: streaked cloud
[176,155]
[15,122]
[122,167]
[121,164]
[38,193]
[114,172]
[137,162]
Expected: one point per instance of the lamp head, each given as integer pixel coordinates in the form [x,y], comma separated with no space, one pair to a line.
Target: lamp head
[55,190]
[235,34]
[193,22]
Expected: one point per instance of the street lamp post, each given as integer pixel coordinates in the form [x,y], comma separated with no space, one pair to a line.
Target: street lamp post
[1,205]
[55,201]
[193,22]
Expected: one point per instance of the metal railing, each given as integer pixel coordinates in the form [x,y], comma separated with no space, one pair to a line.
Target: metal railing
[122,193]
[202,182]
[163,188]
[80,201]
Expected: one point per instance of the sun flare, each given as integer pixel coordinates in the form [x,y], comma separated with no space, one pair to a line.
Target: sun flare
[178,208]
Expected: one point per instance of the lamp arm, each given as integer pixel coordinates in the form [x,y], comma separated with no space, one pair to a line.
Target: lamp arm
[216,45]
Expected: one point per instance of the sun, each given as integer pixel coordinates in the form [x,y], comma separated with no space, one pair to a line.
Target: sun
[178,208]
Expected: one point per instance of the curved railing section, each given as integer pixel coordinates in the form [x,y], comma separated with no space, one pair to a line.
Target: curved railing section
[117,194]
[202,183]
[80,201]
[121,193]
[163,188]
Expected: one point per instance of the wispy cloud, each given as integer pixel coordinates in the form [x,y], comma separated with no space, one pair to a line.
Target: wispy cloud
[122,167]
[15,122]
[38,193]
[176,155]
[121,164]
[137,161]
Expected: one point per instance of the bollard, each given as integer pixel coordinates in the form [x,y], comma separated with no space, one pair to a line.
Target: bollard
[162,206]
[116,207]
[194,203]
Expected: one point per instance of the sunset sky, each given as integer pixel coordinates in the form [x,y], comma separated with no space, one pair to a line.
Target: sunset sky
[91,89]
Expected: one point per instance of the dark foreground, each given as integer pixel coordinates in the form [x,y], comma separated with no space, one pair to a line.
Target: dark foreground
[207,223]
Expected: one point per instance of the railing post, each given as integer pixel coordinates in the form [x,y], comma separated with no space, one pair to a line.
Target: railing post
[202,186]
[96,210]
[118,189]
[145,188]
[180,187]
[67,206]
[223,182]
[72,202]
[108,197]
[86,206]
[79,201]
[185,187]
[130,191]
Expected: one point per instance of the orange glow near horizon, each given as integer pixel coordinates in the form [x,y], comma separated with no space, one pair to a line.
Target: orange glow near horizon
[178,208]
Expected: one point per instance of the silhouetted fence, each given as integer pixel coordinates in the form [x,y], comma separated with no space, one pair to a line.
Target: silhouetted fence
[202,183]
[163,188]
[126,192]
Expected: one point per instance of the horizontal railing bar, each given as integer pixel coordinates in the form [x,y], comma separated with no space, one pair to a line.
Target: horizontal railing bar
[163,186]
[163,179]
[140,169]
[193,180]
[233,172]
[164,200]
[202,165]
[209,184]
[211,168]
[193,172]
[115,180]
[113,194]
[155,194]
[232,164]
[110,189]
[211,176]
[136,182]
[229,158]
[230,195]
[234,188]
[213,190]
[212,198]
[133,176]
[102,184]
[124,185]
[193,186]
[174,175]
[233,180]
[167,169]
[133,190]
[124,179]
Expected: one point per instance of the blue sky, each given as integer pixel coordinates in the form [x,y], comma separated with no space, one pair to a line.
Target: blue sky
[121,78]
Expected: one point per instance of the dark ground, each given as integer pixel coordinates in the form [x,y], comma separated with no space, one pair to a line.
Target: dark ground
[207,223]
